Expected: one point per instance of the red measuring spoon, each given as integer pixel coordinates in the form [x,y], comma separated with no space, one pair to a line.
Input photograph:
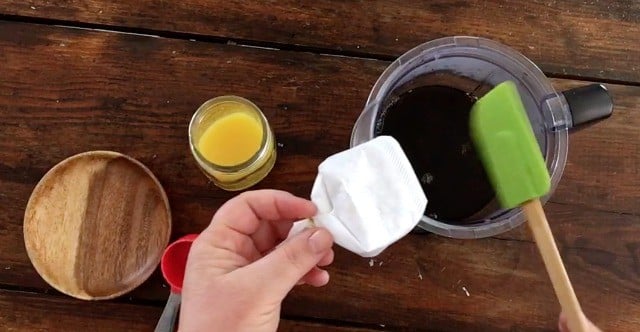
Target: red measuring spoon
[172,265]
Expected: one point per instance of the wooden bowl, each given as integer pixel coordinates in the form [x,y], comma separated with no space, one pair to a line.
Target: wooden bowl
[96,225]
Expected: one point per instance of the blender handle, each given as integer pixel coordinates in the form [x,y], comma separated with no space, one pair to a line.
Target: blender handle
[588,103]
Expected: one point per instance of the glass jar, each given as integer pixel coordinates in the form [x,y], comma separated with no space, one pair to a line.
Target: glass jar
[246,173]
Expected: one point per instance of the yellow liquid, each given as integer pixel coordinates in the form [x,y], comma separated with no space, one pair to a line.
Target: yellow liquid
[231,140]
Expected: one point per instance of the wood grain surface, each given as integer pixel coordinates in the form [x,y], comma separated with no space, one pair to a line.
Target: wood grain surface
[596,39]
[96,225]
[22,311]
[135,94]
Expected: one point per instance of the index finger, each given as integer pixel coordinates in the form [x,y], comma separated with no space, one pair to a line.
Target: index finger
[245,212]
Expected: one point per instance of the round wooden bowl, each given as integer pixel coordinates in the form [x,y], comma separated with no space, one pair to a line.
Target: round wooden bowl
[96,225]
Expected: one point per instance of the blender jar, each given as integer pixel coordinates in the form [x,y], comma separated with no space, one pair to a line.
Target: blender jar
[475,65]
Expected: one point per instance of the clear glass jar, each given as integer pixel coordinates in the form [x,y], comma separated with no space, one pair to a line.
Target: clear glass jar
[244,174]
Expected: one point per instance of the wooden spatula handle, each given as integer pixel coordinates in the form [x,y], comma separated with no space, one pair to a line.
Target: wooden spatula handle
[552,261]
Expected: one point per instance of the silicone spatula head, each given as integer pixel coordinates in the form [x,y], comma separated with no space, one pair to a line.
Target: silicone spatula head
[507,147]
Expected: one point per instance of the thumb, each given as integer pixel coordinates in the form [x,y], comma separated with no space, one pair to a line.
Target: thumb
[288,263]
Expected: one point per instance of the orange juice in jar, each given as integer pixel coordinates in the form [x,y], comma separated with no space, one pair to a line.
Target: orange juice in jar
[232,142]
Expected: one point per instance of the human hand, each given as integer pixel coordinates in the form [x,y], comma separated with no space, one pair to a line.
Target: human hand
[238,274]
[564,327]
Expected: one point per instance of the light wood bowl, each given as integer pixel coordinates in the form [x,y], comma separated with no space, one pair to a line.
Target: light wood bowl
[96,225]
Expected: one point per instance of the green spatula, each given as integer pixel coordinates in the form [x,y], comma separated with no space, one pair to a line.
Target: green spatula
[506,144]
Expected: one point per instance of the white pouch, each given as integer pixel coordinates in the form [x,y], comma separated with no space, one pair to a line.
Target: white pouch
[368,197]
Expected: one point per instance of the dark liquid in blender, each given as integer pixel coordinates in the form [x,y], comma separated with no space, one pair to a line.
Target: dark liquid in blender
[432,125]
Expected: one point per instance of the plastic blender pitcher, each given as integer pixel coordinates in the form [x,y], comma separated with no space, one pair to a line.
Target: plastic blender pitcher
[475,65]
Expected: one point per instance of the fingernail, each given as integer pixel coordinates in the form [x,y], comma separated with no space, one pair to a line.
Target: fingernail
[320,241]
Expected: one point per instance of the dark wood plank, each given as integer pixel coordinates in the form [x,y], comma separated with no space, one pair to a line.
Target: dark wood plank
[576,227]
[296,326]
[37,312]
[604,160]
[33,312]
[96,90]
[582,38]
[421,284]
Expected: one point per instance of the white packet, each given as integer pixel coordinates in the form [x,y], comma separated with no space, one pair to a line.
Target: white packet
[368,197]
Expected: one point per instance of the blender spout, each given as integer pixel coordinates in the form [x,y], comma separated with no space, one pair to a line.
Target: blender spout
[364,128]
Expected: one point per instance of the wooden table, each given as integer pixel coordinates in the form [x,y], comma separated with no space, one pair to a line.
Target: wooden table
[79,75]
